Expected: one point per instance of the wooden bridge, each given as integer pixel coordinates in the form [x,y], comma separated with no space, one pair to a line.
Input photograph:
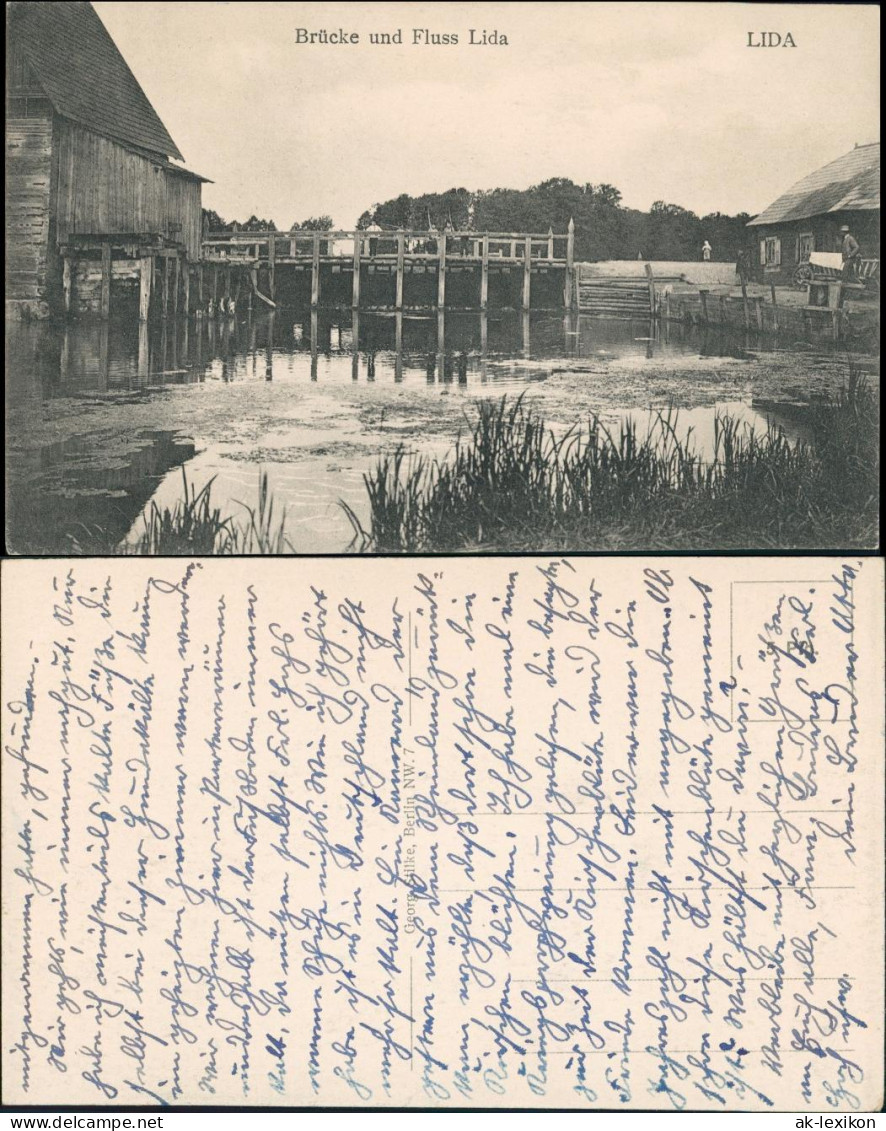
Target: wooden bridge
[378,269]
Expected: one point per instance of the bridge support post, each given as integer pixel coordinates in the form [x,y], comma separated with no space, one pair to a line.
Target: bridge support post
[441,344]
[165,285]
[441,272]
[570,261]
[67,282]
[176,284]
[355,282]
[401,262]
[106,279]
[315,270]
[146,272]
[355,346]
[314,344]
[527,272]
[143,362]
[272,263]
[651,282]
[484,273]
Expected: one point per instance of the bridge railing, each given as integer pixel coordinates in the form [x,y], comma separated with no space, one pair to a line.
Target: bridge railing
[274,247]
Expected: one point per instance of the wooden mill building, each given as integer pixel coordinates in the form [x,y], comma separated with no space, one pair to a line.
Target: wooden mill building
[95,199]
[808,217]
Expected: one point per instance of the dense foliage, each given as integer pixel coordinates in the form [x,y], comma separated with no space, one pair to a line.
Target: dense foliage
[604,228]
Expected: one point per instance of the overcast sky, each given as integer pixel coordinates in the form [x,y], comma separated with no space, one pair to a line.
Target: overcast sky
[665,101]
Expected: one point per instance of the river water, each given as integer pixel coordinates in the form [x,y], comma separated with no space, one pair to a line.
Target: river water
[101,420]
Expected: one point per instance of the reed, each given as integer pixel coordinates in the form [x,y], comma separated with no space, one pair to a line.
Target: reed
[195,525]
[513,484]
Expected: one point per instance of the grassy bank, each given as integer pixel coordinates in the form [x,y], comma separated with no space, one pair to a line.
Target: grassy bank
[512,484]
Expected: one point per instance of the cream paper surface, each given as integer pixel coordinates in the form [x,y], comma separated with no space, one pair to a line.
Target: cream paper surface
[512,832]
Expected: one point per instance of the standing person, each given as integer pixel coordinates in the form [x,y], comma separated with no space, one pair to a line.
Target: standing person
[741,265]
[851,253]
[706,250]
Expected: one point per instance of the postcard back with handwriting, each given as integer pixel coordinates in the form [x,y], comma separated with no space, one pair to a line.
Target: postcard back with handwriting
[524,833]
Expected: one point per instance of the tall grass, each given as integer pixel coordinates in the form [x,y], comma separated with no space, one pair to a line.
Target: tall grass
[196,526]
[513,484]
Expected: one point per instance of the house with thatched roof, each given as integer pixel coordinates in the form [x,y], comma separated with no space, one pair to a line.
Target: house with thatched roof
[809,216]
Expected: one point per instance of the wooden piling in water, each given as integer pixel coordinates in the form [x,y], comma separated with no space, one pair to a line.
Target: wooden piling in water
[650,279]
[106,279]
[272,263]
[176,284]
[355,282]
[398,346]
[441,271]
[143,361]
[484,272]
[165,285]
[315,270]
[527,272]
[570,263]
[67,279]
[146,272]
[401,261]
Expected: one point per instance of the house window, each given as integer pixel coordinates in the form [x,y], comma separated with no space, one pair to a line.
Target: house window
[770,252]
[805,246]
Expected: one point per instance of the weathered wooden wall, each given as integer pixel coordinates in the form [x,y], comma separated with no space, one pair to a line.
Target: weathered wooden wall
[28,212]
[105,188]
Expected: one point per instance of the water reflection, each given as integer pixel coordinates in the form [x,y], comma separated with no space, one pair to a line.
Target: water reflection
[45,360]
[92,433]
[66,497]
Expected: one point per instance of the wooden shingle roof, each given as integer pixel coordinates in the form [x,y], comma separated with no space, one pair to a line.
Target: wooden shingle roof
[851,183]
[84,75]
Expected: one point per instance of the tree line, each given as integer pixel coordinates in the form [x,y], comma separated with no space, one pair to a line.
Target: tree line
[214,223]
[604,227]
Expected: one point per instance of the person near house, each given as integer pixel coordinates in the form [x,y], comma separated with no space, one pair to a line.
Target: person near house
[706,250]
[851,253]
[742,265]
